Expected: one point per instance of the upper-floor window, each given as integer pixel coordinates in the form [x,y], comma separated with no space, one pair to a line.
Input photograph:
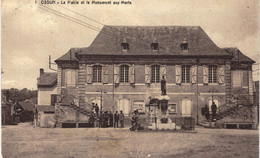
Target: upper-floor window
[212,74]
[185,74]
[155,78]
[124,73]
[124,45]
[184,45]
[155,45]
[97,73]
[70,77]
[237,78]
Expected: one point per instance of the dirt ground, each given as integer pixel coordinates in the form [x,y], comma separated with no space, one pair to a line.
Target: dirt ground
[24,141]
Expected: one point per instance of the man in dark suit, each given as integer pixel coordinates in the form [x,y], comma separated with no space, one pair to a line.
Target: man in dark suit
[110,119]
[214,111]
[116,117]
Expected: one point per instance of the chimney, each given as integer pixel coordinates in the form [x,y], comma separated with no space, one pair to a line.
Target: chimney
[41,71]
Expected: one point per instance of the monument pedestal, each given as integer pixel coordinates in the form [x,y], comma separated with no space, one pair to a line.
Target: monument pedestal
[163,121]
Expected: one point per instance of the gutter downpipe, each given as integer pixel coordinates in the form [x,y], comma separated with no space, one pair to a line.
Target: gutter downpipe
[113,90]
[197,91]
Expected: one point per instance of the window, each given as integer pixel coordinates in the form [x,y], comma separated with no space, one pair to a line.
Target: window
[155,74]
[212,74]
[97,73]
[139,105]
[70,77]
[154,46]
[186,107]
[185,74]
[125,45]
[172,108]
[124,73]
[237,78]
[124,105]
[184,45]
[53,99]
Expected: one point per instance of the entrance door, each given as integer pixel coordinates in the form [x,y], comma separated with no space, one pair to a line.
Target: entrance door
[186,107]
[97,101]
[210,104]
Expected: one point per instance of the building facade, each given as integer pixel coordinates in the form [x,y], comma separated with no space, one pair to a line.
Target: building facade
[123,67]
[47,98]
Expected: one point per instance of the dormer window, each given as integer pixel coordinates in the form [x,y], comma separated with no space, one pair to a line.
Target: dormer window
[184,45]
[124,45]
[155,45]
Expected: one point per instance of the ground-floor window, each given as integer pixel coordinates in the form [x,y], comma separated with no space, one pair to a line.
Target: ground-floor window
[186,107]
[139,105]
[172,107]
[237,78]
[124,105]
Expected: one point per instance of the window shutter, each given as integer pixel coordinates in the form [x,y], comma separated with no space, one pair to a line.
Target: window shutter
[105,74]
[89,74]
[178,73]
[147,74]
[68,77]
[221,74]
[163,71]
[63,77]
[73,77]
[116,74]
[194,74]
[205,74]
[132,74]
[76,78]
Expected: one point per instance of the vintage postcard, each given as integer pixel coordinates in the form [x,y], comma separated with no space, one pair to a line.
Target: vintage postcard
[129,78]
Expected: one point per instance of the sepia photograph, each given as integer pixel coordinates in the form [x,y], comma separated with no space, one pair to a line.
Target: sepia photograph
[130,79]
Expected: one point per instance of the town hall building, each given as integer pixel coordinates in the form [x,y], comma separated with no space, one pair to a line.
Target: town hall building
[123,67]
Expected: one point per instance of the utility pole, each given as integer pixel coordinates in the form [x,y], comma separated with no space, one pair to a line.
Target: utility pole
[212,90]
[101,97]
[50,64]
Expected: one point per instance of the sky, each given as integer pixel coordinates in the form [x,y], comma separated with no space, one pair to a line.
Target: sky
[30,34]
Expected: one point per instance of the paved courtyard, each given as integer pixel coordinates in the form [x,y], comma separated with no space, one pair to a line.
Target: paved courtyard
[24,141]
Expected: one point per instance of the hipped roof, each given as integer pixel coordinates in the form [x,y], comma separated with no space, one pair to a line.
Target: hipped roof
[139,38]
[47,79]
[26,105]
[108,41]
[239,56]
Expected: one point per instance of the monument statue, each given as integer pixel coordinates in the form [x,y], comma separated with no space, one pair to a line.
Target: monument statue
[163,86]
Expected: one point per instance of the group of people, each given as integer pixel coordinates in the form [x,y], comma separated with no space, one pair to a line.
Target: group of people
[206,113]
[104,119]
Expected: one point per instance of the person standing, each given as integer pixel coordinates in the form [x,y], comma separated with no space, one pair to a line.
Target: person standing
[110,119]
[96,109]
[121,119]
[91,120]
[206,112]
[116,117]
[214,111]
[106,119]
[101,119]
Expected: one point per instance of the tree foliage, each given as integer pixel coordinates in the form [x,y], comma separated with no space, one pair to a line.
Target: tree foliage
[23,94]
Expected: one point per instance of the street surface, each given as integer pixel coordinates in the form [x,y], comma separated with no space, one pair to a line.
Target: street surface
[24,141]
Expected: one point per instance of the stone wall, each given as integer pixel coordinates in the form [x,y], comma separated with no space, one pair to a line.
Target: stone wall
[46,120]
[65,114]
